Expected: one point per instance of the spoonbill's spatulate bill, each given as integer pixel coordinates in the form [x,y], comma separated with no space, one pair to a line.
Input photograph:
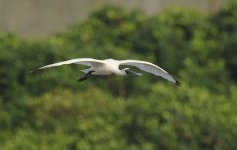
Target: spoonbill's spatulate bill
[111,66]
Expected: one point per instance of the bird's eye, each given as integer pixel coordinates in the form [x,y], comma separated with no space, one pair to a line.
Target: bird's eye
[127,71]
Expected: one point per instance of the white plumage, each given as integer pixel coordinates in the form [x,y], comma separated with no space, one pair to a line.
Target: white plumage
[111,66]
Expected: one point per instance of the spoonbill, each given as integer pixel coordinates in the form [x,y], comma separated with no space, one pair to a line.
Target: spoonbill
[111,66]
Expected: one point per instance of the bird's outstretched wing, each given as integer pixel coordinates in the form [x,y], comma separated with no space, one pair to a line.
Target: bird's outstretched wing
[83,61]
[151,68]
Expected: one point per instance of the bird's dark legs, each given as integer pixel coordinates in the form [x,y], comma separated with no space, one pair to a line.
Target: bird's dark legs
[86,76]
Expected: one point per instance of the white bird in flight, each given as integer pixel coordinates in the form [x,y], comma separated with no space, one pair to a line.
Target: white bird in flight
[111,66]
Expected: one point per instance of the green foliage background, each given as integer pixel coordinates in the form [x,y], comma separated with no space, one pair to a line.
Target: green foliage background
[50,110]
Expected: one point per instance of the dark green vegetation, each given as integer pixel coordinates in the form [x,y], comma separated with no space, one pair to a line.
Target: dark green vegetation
[50,110]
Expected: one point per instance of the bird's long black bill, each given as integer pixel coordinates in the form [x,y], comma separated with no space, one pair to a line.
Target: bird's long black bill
[133,73]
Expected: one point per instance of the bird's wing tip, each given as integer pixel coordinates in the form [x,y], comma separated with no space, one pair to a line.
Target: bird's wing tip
[177,83]
[34,70]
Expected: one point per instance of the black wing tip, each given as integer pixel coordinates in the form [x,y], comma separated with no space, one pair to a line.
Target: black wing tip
[34,70]
[177,83]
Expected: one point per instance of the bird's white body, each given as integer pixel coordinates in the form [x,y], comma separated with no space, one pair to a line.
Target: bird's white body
[111,66]
[108,67]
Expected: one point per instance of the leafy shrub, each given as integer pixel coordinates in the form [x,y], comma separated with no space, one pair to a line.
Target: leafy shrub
[49,110]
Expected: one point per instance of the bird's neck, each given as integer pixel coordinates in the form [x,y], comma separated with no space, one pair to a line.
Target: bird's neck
[121,72]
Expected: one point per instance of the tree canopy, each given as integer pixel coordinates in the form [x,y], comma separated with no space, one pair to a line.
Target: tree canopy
[50,110]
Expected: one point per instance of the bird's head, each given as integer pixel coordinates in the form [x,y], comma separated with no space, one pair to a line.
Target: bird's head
[129,71]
